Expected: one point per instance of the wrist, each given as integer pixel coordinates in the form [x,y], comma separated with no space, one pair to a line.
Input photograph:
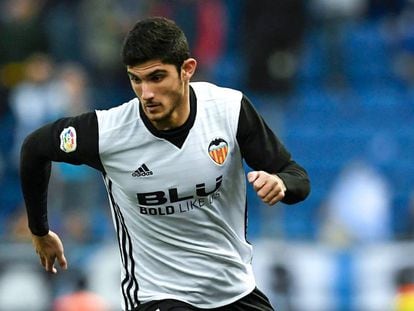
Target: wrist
[282,183]
[39,233]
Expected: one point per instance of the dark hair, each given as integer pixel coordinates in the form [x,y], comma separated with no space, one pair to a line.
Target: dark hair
[155,38]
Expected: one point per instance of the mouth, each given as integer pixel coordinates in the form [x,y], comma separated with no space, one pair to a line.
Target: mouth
[152,107]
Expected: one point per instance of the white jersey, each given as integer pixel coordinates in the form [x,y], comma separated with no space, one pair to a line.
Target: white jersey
[180,213]
[178,197]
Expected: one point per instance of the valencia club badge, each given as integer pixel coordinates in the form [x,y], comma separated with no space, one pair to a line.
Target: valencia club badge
[218,150]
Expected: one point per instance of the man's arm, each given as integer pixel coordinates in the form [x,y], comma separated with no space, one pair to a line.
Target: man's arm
[72,140]
[277,177]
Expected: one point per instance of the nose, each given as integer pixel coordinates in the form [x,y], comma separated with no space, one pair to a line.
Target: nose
[147,92]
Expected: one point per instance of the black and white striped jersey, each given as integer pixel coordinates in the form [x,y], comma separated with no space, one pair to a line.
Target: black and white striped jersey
[178,198]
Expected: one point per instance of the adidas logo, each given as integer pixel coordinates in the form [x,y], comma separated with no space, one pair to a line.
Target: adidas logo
[143,170]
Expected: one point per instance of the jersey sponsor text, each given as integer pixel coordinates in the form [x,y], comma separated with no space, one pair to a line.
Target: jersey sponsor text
[170,202]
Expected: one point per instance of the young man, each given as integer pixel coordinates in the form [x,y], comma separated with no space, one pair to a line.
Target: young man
[172,164]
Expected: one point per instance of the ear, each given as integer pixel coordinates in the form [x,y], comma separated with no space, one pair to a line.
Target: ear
[188,68]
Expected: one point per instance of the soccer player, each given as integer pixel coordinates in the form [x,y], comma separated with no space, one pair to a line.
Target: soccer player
[171,159]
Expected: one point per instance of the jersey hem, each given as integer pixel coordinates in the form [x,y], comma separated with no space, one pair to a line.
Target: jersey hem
[205,305]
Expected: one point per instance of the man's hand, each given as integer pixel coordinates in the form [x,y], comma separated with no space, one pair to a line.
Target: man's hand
[50,248]
[269,187]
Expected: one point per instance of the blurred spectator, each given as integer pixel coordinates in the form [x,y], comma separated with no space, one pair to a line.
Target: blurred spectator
[21,34]
[102,27]
[46,94]
[81,299]
[357,210]
[73,82]
[211,35]
[36,100]
[405,298]
[101,33]
[405,289]
[205,22]
[273,34]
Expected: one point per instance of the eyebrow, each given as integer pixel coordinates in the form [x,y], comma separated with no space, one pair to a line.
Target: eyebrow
[153,73]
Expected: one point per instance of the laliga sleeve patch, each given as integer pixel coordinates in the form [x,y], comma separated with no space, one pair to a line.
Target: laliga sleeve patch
[68,139]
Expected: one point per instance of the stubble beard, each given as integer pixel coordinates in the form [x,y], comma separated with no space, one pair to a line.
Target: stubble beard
[164,119]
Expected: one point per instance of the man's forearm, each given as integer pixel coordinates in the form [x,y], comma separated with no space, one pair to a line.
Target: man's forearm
[34,178]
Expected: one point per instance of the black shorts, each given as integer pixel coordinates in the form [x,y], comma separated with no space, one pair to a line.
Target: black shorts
[255,301]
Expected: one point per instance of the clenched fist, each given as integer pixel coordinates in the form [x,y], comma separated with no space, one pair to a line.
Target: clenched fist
[269,187]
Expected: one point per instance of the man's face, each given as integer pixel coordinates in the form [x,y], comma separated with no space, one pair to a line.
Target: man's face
[162,93]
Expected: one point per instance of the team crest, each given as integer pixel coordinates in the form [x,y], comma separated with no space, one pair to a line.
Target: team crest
[68,139]
[218,150]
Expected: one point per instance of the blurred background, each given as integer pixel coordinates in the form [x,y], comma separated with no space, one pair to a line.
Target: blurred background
[333,78]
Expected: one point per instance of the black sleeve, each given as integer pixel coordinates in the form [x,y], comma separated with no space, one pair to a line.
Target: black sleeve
[71,140]
[262,150]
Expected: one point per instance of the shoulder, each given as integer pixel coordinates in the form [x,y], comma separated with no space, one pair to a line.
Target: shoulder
[118,116]
[218,105]
[210,92]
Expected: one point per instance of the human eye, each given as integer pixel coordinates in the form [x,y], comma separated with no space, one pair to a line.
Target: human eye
[134,78]
[157,77]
